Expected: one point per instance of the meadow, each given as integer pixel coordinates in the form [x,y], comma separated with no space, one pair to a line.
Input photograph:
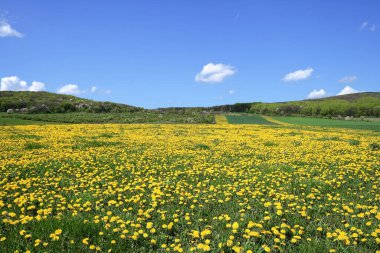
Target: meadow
[188,188]
[96,118]
[354,124]
[246,118]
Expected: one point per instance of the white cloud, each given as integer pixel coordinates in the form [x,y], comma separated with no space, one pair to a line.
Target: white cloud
[231,92]
[368,26]
[37,86]
[214,73]
[317,94]
[94,88]
[298,75]
[364,25]
[108,92]
[348,79]
[7,31]
[348,90]
[69,89]
[13,83]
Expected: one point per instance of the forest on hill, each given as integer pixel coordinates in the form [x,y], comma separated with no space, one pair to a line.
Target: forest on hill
[356,105]
[359,104]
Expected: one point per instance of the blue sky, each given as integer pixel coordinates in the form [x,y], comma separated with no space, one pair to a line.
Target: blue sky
[190,53]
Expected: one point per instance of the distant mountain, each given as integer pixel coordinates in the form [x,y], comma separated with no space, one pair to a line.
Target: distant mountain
[42,102]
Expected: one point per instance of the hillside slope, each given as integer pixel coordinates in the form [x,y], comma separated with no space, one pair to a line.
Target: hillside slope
[358,104]
[41,102]
[349,97]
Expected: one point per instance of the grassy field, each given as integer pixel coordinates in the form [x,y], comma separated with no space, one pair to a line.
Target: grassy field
[132,117]
[356,124]
[372,124]
[248,119]
[4,121]
[188,188]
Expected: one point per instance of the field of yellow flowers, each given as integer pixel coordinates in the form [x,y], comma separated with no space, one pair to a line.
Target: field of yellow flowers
[188,188]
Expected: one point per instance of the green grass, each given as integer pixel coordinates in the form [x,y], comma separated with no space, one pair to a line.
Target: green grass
[365,125]
[15,121]
[248,119]
[126,117]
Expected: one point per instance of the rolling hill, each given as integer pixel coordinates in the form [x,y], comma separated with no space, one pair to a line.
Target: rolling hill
[43,102]
[358,104]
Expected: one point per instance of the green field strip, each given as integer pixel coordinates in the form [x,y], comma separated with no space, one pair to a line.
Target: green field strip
[13,121]
[353,124]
